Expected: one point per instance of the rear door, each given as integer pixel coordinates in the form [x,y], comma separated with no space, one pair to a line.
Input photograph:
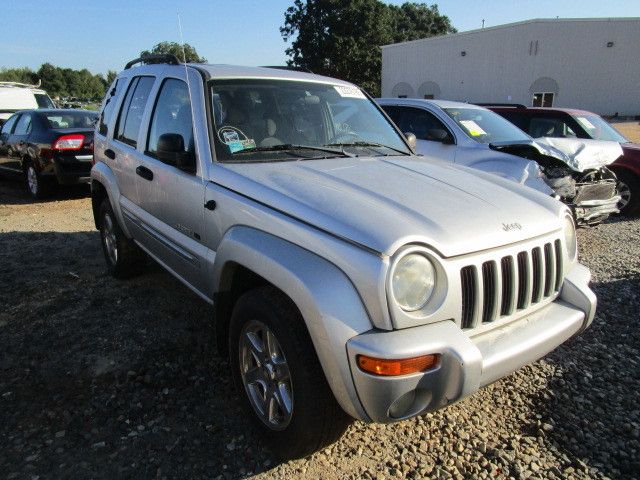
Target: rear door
[171,195]
[123,154]
[5,134]
[17,142]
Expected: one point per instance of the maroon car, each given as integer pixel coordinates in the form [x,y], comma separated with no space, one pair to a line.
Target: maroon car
[566,122]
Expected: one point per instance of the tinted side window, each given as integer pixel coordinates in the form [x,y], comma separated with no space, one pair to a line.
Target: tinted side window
[520,120]
[109,104]
[420,122]
[24,125]
[133,109]
[550,127]
[172,114]
[8,126]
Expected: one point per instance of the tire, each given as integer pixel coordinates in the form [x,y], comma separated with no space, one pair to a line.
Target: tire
[124,258]
[629,187]
[37,186]
[314,419]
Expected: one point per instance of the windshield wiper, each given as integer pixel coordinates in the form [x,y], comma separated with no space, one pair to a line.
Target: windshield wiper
[367,144]
[291,146]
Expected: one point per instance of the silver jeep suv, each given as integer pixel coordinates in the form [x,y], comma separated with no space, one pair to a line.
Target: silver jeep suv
[348,277]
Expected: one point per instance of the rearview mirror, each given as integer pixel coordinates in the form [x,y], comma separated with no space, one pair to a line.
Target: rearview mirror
[411,140]
[171,151]
[439,135]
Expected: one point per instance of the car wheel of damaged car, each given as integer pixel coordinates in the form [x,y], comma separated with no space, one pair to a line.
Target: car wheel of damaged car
[279,377]
[628,189]
[124,258]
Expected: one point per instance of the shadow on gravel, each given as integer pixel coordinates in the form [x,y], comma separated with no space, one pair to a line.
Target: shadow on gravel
[591,404]
[13,191]
[107,379]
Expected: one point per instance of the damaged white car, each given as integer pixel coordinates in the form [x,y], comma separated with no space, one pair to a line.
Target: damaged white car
[572,170]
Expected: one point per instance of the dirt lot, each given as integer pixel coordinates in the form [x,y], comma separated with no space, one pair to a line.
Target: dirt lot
[631,130]
[108,379]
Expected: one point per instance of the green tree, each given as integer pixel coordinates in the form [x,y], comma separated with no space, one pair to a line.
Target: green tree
[20,75]
[176,49]
[342,38]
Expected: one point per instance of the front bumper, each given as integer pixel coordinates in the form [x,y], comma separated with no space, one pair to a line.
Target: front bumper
[592,210]
[467,362]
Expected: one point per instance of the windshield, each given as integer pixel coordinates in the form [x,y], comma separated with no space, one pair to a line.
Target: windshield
[71,119]
[598,129]
[274,120]
[43,100]
[485,126]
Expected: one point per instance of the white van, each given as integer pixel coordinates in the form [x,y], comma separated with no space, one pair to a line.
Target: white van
[20,96]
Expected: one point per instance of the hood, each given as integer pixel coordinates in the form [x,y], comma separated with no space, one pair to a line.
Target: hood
[518,147]
[631,148]
[385,203]
[584,154]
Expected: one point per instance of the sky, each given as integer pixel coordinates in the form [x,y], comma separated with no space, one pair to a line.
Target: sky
[103,35]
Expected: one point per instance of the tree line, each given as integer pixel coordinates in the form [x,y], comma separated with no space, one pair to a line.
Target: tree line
[61,82]
[337,38]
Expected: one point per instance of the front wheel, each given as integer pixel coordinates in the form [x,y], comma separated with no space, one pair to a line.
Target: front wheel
[629,190]
[124,258]
[279,377]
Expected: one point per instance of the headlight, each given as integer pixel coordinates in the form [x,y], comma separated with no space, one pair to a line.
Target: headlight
[413,281]
[570,240]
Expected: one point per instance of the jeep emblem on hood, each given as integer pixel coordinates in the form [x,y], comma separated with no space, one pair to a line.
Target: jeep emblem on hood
[507,227]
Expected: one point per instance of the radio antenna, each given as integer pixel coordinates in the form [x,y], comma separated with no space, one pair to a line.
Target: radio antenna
[186,74]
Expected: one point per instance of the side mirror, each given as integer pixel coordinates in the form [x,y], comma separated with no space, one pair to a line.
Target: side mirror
[411,140]
[171,151]
[439,135]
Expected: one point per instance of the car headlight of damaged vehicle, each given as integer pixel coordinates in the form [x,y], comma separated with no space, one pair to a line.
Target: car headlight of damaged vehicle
[570,240]
[413,281]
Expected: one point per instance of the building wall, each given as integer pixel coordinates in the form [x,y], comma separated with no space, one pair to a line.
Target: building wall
[501,64]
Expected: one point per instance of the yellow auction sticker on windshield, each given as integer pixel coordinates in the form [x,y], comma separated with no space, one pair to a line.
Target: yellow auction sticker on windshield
[349,91]
[473,128]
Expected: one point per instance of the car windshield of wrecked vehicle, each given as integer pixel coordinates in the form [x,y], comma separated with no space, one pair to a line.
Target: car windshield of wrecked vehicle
[486,127]
[598,129]
[280,120]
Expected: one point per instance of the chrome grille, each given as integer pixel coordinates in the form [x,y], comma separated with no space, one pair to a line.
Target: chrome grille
[501,287]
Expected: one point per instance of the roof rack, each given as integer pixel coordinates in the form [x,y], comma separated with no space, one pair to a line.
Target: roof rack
[512,105]
[156,58]
[18,84]
[287,67]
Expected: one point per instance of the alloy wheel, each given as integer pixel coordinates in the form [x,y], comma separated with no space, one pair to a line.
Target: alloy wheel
[625,193]
[109,238]
[265,375]
[32,180]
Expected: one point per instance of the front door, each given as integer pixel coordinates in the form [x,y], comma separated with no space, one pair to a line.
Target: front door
[16,144]
[5,135]
[171,189]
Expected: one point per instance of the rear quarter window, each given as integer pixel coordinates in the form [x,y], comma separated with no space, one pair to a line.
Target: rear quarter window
[109,104]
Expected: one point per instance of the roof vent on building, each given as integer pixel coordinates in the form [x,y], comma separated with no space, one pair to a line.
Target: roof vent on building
[463,53]
[610,44]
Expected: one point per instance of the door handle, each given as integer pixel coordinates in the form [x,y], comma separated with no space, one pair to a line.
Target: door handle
[110,154]
[144,172]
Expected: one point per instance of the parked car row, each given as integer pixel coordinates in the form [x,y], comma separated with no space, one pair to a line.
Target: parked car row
[350,278]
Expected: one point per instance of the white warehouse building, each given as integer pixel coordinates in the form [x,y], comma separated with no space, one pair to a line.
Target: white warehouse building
[592,64]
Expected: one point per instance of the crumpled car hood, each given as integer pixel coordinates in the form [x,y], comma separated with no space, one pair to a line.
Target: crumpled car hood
[383,203]
[584,154]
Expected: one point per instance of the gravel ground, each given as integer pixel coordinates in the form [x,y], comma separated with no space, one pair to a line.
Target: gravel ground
[103,379]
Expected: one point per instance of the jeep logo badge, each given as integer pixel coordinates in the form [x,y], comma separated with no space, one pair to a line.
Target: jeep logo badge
[507,227]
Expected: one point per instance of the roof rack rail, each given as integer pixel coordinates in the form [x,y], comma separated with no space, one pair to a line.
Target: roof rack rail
[512,105]
[18,84]
[287,67]
[156,58]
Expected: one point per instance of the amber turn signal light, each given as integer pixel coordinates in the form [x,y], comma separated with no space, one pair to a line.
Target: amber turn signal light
[404,366]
